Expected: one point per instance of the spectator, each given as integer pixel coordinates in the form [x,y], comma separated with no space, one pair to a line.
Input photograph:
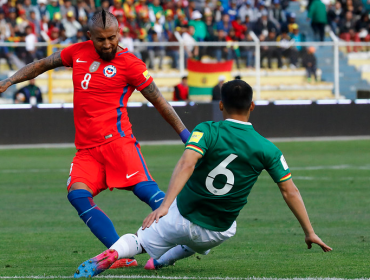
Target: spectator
[289,24]
[129,8]
[22,21]
[210,28]
[80,37]
[156,35]
[35,24]
[82,10]
[363,27]
[4,53]
[216,91]
[30,94]
[286,49]
[117,9]
[71,25]
[170,25]
[199,26]
[263,25]
[156,9]
[221,51]
[66,8]
[270,51]
[239,28]
[335,13]
[141,8]
[218,12]
[181,91]
[233,47]
[248,24]
[57,21]
[277,14]
[347,30]
[27,6]
[42,10]
[232,11]
[173,51]
[317,14]
[248,52]
[309,62]
[132,25]
[188,11]
[224,24]
[189,42]
[31,41]
[128,42]
[247,10]
[53,8]
[296,36]
[4,27]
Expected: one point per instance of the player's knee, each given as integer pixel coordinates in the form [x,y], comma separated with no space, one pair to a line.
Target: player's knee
[81,200]
[127,246]
[79,186]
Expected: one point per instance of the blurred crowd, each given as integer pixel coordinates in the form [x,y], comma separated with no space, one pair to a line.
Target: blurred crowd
[230,21]
[348,19]
[65,22]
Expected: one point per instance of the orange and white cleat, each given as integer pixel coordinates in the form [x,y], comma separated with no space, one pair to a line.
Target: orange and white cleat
[124,263]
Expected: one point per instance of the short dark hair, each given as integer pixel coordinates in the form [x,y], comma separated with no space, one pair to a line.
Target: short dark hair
[236,96]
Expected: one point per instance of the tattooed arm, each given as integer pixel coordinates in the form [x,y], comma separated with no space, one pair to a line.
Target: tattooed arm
[154,96]
[32,70]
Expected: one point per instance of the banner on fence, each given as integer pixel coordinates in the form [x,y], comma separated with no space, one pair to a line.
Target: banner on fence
[202,77]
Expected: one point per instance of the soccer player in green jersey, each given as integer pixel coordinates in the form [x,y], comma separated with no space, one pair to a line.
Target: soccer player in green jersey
[209,186]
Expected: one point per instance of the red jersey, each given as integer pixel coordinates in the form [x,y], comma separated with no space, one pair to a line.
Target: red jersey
[101,91]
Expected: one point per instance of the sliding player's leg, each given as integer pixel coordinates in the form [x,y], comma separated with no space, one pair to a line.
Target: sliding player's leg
[170,257]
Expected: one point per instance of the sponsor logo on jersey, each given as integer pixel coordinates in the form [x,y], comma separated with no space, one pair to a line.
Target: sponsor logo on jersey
[109,71]
[146,74]
[108,136]
[196,136]
[283,162]
[69,181]
[94,66]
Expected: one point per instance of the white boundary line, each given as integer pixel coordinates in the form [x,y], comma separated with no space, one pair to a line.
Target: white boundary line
[178,142]
[176,277]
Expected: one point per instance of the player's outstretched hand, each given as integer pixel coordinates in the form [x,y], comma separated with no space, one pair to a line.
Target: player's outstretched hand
[154,216]
[313,238]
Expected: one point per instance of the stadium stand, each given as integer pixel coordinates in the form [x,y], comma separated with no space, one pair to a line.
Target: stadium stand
[230,22]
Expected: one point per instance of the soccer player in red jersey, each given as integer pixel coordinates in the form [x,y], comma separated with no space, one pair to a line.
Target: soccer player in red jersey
[108,155]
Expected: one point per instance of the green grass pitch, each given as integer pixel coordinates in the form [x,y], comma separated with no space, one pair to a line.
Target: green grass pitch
[41,234]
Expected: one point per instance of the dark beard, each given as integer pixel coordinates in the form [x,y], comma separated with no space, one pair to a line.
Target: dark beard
[107,56]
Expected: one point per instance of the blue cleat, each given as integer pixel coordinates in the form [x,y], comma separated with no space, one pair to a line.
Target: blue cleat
[96,265]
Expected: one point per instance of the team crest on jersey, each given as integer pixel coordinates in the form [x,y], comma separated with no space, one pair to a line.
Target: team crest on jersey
[109,71]
[94,66]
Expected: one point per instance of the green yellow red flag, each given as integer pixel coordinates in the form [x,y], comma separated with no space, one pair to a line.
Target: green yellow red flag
[202,77]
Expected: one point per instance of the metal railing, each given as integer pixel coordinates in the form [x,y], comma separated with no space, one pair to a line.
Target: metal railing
[257,44]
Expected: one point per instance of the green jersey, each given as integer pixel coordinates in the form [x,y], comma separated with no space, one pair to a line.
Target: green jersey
[234,155]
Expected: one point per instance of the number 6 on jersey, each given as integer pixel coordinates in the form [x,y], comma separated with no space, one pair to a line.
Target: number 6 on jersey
[85,81]
[221,170]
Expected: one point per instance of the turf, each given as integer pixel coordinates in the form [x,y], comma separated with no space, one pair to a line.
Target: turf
[41,234]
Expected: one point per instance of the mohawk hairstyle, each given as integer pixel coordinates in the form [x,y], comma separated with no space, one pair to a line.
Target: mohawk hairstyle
[102,19]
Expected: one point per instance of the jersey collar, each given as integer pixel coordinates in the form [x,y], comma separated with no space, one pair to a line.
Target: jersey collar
[236,121]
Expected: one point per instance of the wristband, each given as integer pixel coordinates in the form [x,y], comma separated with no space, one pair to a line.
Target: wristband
[184,135]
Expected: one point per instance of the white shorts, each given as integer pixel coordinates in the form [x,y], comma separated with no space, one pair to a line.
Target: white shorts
[173,229]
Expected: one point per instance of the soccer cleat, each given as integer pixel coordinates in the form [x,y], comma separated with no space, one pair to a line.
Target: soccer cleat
[124,263]
[96,265]
[150,265]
